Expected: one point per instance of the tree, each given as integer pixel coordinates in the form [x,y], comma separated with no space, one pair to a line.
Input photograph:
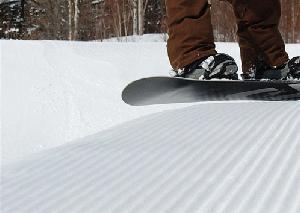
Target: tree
[135,17]
[142,5]
[70,19]
[101,19]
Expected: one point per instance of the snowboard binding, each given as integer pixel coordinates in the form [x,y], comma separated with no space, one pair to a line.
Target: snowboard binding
[219,66]
[288,71]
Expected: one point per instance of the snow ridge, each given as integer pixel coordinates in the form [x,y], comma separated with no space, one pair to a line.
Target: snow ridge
[244,157]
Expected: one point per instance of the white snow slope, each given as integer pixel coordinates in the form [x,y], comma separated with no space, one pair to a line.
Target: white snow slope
[208,157]
[55,92]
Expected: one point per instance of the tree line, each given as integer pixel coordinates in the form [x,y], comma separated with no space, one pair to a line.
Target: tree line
[102,19]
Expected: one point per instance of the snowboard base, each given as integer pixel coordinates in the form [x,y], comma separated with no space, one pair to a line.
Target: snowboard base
[166,90]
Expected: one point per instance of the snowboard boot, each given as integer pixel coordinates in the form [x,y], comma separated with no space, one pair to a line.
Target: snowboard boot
[288,71]
[219,66]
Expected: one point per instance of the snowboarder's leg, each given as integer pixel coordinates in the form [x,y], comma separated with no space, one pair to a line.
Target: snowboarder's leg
[252,57]
[262,47]
[191,47]
[190,32]
[259,37]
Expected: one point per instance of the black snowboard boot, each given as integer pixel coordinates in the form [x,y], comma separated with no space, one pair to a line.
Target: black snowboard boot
[287,71]
[219,66]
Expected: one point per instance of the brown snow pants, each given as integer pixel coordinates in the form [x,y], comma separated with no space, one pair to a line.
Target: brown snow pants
[191,33]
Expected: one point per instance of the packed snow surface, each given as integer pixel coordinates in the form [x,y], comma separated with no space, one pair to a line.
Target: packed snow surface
[203,157]
[222,157]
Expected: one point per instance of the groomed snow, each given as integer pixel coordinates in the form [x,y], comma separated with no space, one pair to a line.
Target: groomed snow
[204,157]
[212,158]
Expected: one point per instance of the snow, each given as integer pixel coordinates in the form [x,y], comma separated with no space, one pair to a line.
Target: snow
[55,92]
[203,157]
[137,38]
[216,157]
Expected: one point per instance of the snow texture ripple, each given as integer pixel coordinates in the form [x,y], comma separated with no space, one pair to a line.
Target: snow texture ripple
[208,158]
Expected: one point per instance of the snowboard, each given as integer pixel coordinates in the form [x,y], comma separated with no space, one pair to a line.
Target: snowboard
[166,90]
